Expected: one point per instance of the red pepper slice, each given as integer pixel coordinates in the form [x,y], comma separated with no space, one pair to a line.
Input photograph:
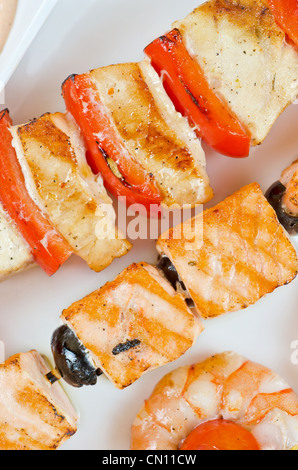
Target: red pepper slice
[285,13]
[83,102]
[48,247]
[190,92]
[220,434]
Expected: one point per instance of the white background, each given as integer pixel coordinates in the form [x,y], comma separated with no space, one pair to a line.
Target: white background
[78,36]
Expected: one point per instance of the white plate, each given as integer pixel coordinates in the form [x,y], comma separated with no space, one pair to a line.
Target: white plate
[30,17]
[79,36]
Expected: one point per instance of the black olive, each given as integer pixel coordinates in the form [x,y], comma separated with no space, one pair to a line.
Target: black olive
[166,266]
[122,347]
[72,359]
[274,195]
[168,269]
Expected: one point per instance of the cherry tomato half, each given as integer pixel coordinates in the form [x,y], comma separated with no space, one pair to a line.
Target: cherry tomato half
[220,435]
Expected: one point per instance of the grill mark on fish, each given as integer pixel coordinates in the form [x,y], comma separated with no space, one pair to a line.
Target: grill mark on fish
[49,136]
[257,251]
[258,265]
[216,282]
[123,347]
[148,323]
[148,135]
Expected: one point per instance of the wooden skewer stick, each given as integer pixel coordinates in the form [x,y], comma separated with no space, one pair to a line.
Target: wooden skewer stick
[53,376]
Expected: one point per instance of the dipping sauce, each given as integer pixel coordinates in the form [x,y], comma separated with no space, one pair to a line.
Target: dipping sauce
[7,14]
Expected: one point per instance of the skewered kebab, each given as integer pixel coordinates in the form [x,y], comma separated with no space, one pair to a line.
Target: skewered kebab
[143,320]
[229,68]
[162,161]
[48,188]
[244,253]
[124,346]
[217,262]
[133,324]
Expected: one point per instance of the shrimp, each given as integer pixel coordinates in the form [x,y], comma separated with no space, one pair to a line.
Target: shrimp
[226,387]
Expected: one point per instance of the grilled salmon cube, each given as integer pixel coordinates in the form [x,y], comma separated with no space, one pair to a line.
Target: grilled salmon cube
[133,324]
[34,415]
[15,254]
[53,159]
[246,59]
[239,253]
[153,133]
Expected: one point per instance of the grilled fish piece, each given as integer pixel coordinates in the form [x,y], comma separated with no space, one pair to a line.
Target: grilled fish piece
[231,255]
[52,156]
[34,415]
[246,59]
[15,254]
[226,387]
[153,133]
[133,324]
